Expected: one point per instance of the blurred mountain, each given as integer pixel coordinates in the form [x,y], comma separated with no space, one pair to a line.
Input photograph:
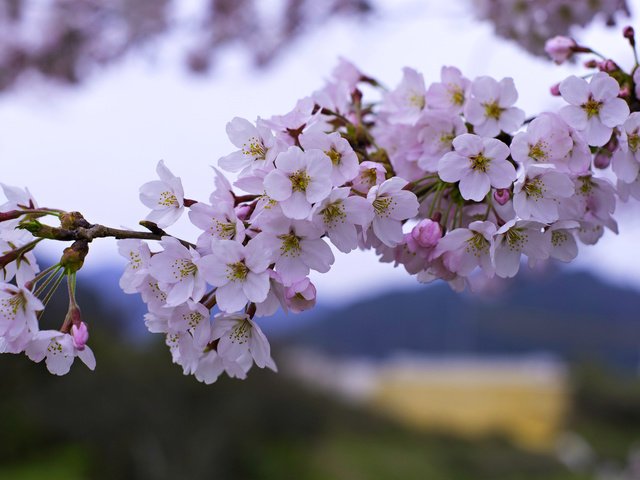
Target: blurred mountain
[574,315]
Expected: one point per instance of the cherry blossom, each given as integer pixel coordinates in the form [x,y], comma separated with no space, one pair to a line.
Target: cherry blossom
[490,108]
[391,206]
[478,164]
[165,197]
[301,178]
[537,193]
[58,351]
[177,272]
[594,107]
[239,335]
[239,272]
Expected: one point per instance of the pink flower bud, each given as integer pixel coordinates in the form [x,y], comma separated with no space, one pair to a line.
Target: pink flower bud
[624,92]
[608,66]
[560,48]
[300,296]
[628,32]
[591,64]
[242,211]
[602,159]
[80,335]
[427,233]
[555,90]
[501,196]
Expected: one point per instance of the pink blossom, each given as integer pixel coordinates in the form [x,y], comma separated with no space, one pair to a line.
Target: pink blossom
[594,107]
[239,272]
[464,249]
[407,101]
[391,206]
[538,191]
[490,108]
[339,214]
[343,159]
[478,164]
[371,174]
[239,335]
[165,197]
[514,239]
[451,93]
[427,233]
[626,160]
[300,295]
[299,180]
[560,48]
[59,351]
[177,272]
[80,335]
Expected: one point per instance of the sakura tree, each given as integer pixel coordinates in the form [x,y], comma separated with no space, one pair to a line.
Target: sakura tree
[449,180]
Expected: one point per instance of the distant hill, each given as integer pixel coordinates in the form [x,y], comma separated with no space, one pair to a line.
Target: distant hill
[573,315]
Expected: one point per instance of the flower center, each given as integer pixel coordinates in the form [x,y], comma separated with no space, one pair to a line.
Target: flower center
[299,181]
[237,271]
[538,151]
[10,306]
[225,230]
[634,142]
[534,188]
[168,199]
[592,107]
[558,237]
[382,206]
[240,333]
[334,213]
[334,155]
[254,148]
[585,185]
[183,268]
[493,110]
[515,238]
[477,245]
[369,176]
[193,319]
[417,100]
[290,246]
[457,95]
[480,162]
[446,139]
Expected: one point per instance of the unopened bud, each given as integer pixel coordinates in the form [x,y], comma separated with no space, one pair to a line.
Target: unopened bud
[243,211]
[73,257]
[501,196]
[427,233]
[73,220]
[625,92]
[591,63]
[629,33]
[608,66]
[555,90]
[79,335]
[602,159]
[560,48]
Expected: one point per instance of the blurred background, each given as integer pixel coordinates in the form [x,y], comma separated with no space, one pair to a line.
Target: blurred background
[386,378]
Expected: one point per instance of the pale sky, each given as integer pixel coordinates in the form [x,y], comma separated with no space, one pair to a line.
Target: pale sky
[90,148]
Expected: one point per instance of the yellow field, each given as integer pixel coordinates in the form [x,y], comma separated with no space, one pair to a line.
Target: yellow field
[526,405]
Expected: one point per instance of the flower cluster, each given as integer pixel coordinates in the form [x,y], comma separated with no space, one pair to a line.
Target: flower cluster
[448,179]
[530,23]
[24,291]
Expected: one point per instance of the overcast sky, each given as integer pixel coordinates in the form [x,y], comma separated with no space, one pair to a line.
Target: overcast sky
[90,148]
